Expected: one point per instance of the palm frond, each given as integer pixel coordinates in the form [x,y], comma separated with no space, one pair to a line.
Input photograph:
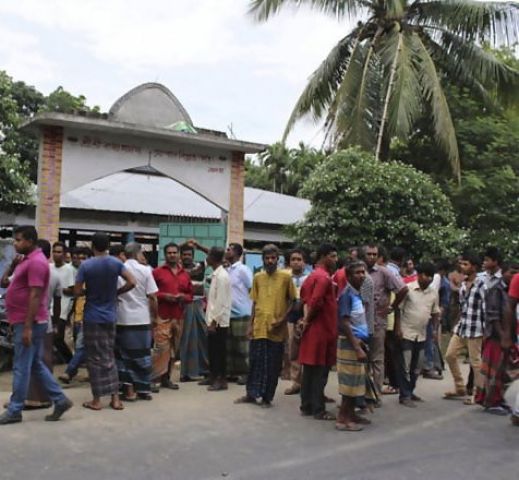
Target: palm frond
[494,22]
[434,95]
[395,9]
[405,101]
[357,119]
[324,82]
[262,10]
[482,65]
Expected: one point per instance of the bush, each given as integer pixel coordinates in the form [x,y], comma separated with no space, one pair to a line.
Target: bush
[356,199]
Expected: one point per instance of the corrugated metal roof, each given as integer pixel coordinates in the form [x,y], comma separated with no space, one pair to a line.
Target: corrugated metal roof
[139,193]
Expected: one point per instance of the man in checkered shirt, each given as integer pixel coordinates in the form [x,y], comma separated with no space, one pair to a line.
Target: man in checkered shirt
[468,333]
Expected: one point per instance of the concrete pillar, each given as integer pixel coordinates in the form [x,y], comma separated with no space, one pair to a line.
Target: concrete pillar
[49,183]
[236,216]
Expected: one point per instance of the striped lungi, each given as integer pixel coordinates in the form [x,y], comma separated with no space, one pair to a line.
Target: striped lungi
[194,360]
[167,333]
[99,339]
[238,346]
[133,356]
[354,380]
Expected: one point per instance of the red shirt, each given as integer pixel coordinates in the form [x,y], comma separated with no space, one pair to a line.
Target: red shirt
[33,271]
[341,279]
[173,284]
[513,291]
[319,342]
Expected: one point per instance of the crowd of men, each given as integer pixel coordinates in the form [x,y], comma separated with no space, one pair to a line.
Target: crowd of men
[376,320]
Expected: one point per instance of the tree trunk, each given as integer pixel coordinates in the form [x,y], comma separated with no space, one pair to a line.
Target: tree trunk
[388,96]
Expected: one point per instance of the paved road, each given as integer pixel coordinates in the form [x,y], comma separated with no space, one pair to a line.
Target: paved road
[192,434]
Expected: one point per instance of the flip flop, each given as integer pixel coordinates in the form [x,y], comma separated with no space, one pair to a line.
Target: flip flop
[362,421]
[89,406]
[113,407]
[125,398]
[454,395]
[348,427]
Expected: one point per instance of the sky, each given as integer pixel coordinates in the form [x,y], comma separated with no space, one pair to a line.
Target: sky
[223,66]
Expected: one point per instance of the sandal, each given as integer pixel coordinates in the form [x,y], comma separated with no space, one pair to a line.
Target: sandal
[325,416]
[126,398]
[454,395]
[469,401]
[389,390]
[348,427]
[361,420]
[89,406]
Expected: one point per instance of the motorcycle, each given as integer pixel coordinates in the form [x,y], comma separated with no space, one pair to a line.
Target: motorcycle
[6,340]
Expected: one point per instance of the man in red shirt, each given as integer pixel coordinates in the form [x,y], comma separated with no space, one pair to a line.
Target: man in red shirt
[175,290]
[317,352]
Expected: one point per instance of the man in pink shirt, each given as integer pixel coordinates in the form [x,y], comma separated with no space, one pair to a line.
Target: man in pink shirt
[27,312]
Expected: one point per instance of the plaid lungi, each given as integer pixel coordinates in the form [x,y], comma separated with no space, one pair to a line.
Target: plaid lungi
[354,380]
[266,359]
[238,346]
[194,360]
[133,356]
[99,339]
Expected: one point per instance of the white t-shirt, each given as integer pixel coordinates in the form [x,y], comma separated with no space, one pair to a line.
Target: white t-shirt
[133,306]
[67,278]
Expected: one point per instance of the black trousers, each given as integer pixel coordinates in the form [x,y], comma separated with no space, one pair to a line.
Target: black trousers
[217,349]
[59,342]
[313,382]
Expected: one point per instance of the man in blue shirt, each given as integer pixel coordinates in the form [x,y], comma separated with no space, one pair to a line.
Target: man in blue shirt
[100,275]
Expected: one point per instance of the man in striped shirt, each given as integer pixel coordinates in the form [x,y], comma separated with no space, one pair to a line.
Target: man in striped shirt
[468,333]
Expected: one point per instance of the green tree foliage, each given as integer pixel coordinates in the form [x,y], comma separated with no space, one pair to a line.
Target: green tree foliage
[486,201]
[281,169]
[381,77]
[18,102]
[356,199]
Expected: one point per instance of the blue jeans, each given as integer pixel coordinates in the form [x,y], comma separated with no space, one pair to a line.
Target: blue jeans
[27,361]
[410,359]
[429,348]
[79,356]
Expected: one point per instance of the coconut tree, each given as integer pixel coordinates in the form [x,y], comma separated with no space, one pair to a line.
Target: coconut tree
[388,70]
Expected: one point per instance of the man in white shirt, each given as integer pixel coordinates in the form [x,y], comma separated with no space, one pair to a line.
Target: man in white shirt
[136,310]
[66,274]
[217,316]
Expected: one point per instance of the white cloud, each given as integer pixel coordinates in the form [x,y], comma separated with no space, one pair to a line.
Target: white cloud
[213,56]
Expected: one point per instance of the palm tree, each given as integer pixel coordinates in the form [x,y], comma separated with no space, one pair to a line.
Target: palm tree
[388,71]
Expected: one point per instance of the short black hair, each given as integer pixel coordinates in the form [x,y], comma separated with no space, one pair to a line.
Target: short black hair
[59,244]
[169,245]
[44,245]
[426,268]
[238,249]
[299,251]
[100,241]
[443,264]
[116,250]
[217,254]
[471,257]
[270,249]
[352,266]
[494,253]
[28,232]
[187,248]
[325,249]
[398,254]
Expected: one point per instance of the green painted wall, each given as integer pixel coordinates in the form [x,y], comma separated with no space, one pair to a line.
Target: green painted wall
[207,234]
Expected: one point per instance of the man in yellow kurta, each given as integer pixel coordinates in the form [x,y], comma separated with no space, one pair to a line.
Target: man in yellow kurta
[273,294]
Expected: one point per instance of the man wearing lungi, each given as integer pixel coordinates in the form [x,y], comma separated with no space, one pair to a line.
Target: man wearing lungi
[273,294]
[136,310]
[100,275]
[175,291]
[355,385]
